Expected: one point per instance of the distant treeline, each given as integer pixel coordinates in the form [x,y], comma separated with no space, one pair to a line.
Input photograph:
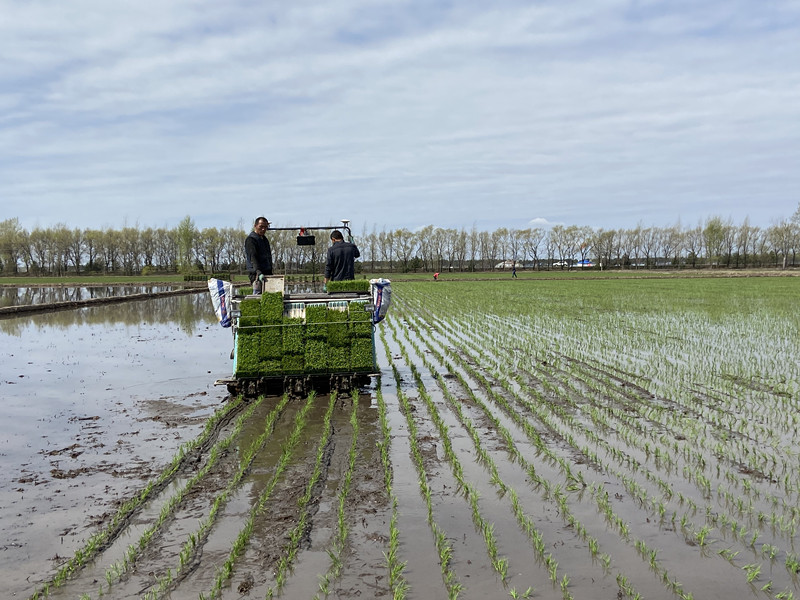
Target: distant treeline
[186,249]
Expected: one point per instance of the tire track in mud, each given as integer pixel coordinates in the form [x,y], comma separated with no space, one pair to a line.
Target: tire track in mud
[366,512]
[175,559]
[268,507]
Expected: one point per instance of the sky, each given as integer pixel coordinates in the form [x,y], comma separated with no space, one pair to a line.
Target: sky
[399,114]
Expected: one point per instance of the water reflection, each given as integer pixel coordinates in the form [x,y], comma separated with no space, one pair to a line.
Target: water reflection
[23,296]
[187,311]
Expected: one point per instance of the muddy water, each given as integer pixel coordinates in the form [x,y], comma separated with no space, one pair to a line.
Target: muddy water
[95,402]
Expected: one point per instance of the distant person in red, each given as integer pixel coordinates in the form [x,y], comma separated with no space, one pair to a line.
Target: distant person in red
[436,276]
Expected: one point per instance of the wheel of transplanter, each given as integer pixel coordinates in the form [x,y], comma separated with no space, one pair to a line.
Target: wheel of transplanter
[234,388]
[296,387]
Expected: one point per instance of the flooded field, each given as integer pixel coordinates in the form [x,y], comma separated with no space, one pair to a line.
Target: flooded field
[602,440]
[95,402]
[20,296]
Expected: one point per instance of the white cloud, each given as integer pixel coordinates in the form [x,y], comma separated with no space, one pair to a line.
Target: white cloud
[405,113]
[542,222]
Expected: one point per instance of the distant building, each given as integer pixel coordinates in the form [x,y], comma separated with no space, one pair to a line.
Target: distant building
[508,264]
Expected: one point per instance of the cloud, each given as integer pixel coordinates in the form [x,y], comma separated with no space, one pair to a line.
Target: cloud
[541,222]
[405,113]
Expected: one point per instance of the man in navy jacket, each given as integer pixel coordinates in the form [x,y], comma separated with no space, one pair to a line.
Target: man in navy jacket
[341,259]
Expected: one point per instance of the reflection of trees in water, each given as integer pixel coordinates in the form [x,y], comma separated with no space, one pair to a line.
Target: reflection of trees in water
[187,311]
[23,296]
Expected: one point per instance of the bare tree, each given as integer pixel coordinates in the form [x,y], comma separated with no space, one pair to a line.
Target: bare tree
[450,245]
[186,234]
[11,240]
[499,245]
[166,248]
[694,244]
[714,239]
[129,244]
[633,241]
[436,247]
[147,247]
[516,242]
[425,237]
[583,242]
[41,250]
[531,243]
[648,240]
[560,238]
[604,244]
[370,244]
[781,237]
[473,247]
[387,243]
[671,243]
[406,245]
[459,248]
[550,247]
[485,249]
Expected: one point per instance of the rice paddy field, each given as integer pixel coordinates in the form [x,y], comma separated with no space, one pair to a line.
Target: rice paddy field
[598,439]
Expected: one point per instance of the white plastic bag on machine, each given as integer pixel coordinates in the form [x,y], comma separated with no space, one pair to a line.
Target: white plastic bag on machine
[381,298]
[221,293]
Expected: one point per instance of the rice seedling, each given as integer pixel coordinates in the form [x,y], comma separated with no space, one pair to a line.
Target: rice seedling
[83,555]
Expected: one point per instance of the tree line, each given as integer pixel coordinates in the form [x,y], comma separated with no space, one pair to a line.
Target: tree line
[717,242]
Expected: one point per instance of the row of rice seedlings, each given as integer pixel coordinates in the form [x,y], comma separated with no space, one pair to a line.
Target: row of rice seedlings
[783,522]
[237,548]
[526,524]
[499,564]
[196,538]
[601,340]
[574,481]
[701,529]
[443,547]
[342,530]
[598,493]
[745,422]
[696,533]
[660,457]
[787,524]
[290,550]
[118,569]
[651,410]
[397,581]
[101,539]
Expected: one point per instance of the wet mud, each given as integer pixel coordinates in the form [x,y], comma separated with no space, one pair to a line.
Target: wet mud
[480,486]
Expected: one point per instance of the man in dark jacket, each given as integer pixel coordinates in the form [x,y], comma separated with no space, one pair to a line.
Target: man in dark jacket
[258,254]
[341,259]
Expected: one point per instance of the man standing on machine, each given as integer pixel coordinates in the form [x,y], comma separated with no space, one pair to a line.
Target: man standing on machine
[258,254]
[341,259]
